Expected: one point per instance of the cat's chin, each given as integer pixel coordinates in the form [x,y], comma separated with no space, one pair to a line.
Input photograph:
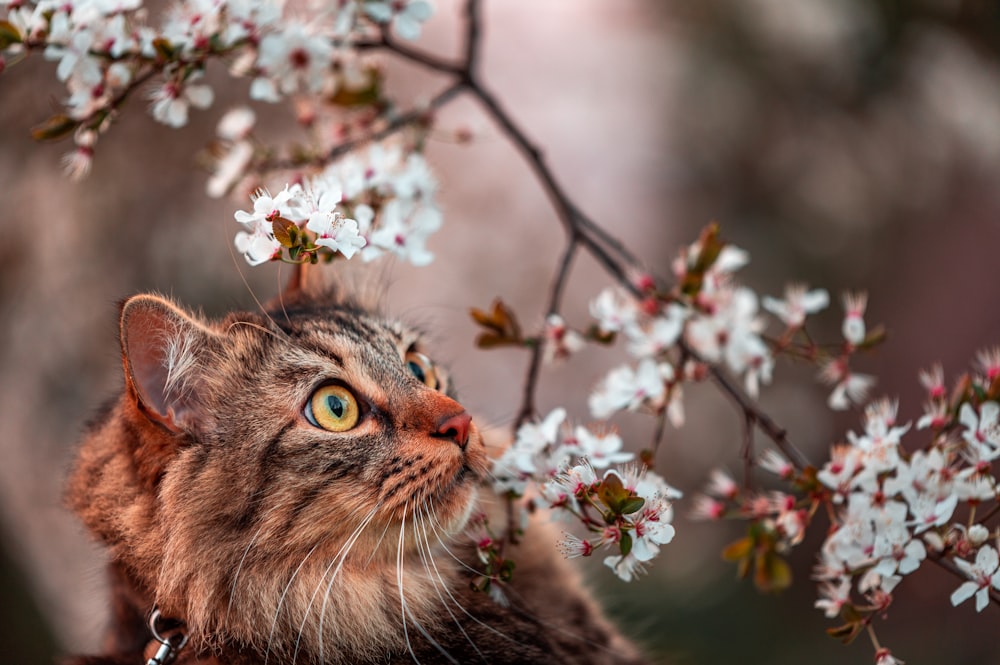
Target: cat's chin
[454,514]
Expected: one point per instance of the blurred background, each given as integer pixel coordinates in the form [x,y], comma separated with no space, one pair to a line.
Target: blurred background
[850,144]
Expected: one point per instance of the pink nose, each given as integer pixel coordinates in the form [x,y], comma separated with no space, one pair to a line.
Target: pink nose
[455,427]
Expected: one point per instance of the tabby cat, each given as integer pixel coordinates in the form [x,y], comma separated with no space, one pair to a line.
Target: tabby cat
[292,486]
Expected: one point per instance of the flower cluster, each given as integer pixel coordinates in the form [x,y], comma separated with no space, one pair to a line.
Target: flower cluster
[778,521]
[708,319]
[890,510]
[374,202]
[105,49]
[628,510]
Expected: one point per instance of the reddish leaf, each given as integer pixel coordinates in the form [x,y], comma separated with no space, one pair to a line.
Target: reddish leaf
[738,550]
[55,128]
[8,35]
[285,231]
[501,326]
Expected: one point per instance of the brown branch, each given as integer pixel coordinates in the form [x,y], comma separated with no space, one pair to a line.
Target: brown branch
[750,408]
[528,409]
[419,57]
[473,29]
[746,451]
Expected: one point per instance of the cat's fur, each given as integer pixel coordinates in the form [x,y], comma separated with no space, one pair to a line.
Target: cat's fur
[274,541]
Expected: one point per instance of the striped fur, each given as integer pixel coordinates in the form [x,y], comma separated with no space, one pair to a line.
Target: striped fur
[278,542]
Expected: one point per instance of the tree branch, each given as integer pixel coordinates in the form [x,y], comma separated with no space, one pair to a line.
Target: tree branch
[528,409]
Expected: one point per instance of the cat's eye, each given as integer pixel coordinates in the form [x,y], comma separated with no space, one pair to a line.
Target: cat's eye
[333,408]
[421,367]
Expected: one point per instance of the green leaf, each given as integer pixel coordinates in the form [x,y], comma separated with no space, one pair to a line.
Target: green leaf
[632,505]
[55,128]
[507,570]
[625,544]
[8,35]
[613,493]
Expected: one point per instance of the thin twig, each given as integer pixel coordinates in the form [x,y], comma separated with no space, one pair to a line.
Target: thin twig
[746,452]
[473,28]
[528,409]
[774,432]
[658,431]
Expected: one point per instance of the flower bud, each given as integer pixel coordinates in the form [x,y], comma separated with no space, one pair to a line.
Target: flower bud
[978,534]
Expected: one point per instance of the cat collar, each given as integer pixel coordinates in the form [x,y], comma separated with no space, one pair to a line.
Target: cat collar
[170,644]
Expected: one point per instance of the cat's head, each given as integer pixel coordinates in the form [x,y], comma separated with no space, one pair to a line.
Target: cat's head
[258,459]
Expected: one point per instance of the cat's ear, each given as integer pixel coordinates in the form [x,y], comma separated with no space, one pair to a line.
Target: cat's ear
[165,353]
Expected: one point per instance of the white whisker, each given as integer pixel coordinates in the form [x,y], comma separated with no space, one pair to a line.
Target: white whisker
[428,559]
[399,581]
[281,601]
[339,558]
[239,568]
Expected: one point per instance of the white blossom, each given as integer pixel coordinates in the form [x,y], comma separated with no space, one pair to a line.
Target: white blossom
[797,304]
[983,575]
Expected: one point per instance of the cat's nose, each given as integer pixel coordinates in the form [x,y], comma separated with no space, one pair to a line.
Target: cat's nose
[455,427]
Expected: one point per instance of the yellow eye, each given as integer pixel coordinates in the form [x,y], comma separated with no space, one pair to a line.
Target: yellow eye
[333,408]
[421,367]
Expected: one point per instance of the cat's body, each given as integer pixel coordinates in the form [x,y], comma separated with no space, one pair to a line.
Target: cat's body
[293,487]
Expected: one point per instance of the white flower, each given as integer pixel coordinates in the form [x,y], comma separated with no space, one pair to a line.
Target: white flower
[982,431]
[625,567]
[847,386]
[658,335]
[833,596]
[853,327]
[70,43]
[337,232]
[404,230]
[229,169]
[533,438]
[258,246]
[988,361]
[707,508]
[838,474]
[797,304]
[884,657]
[722,485]
[560,341]
[977,535]
[172,100]
[296,59]
[406,20]
[614,310]
[267,208]
[983,573]
[772,461]
[602,451]
[933,381]
[625,388]
[236,124]
[652,529]
[571,546]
